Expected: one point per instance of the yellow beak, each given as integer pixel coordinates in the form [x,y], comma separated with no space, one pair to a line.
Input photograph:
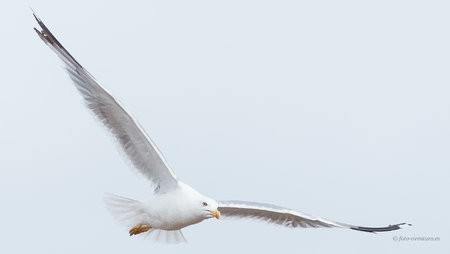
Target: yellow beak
[215,213]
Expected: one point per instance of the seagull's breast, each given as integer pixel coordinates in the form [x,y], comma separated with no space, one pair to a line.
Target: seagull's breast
[173,210]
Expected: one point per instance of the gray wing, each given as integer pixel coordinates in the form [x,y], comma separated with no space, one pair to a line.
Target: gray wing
[287,217]
[139,148]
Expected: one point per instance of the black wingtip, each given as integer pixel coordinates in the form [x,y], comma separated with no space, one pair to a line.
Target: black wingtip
[41,32]
[381,229]
[49,39]
[35,15]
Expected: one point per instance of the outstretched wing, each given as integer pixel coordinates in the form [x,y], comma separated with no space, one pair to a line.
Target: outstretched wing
[286,217]
[139,148]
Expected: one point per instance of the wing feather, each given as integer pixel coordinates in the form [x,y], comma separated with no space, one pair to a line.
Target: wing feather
[136,144]
[287,217]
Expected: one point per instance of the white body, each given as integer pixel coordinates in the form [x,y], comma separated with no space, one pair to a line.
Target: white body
[176,209]
[173,210]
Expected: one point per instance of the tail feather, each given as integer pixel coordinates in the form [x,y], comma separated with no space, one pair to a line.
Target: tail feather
[127,211]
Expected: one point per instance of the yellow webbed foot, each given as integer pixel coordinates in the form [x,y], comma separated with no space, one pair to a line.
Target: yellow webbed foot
[139,228]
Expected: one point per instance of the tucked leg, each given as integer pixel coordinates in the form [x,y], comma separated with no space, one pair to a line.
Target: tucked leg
[139,228]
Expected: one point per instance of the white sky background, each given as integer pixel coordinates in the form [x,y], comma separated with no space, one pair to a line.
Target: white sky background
[339,110]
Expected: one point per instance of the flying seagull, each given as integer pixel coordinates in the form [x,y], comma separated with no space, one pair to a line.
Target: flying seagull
[173,204]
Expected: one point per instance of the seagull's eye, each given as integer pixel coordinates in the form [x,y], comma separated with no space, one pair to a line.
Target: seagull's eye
[205,204]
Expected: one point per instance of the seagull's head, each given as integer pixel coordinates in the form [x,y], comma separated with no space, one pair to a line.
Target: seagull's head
[209,208]
[203,207]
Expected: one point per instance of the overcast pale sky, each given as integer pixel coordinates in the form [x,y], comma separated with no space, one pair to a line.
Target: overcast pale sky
[339,109]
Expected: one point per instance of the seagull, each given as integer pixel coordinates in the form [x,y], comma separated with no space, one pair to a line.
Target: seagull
[173,204]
